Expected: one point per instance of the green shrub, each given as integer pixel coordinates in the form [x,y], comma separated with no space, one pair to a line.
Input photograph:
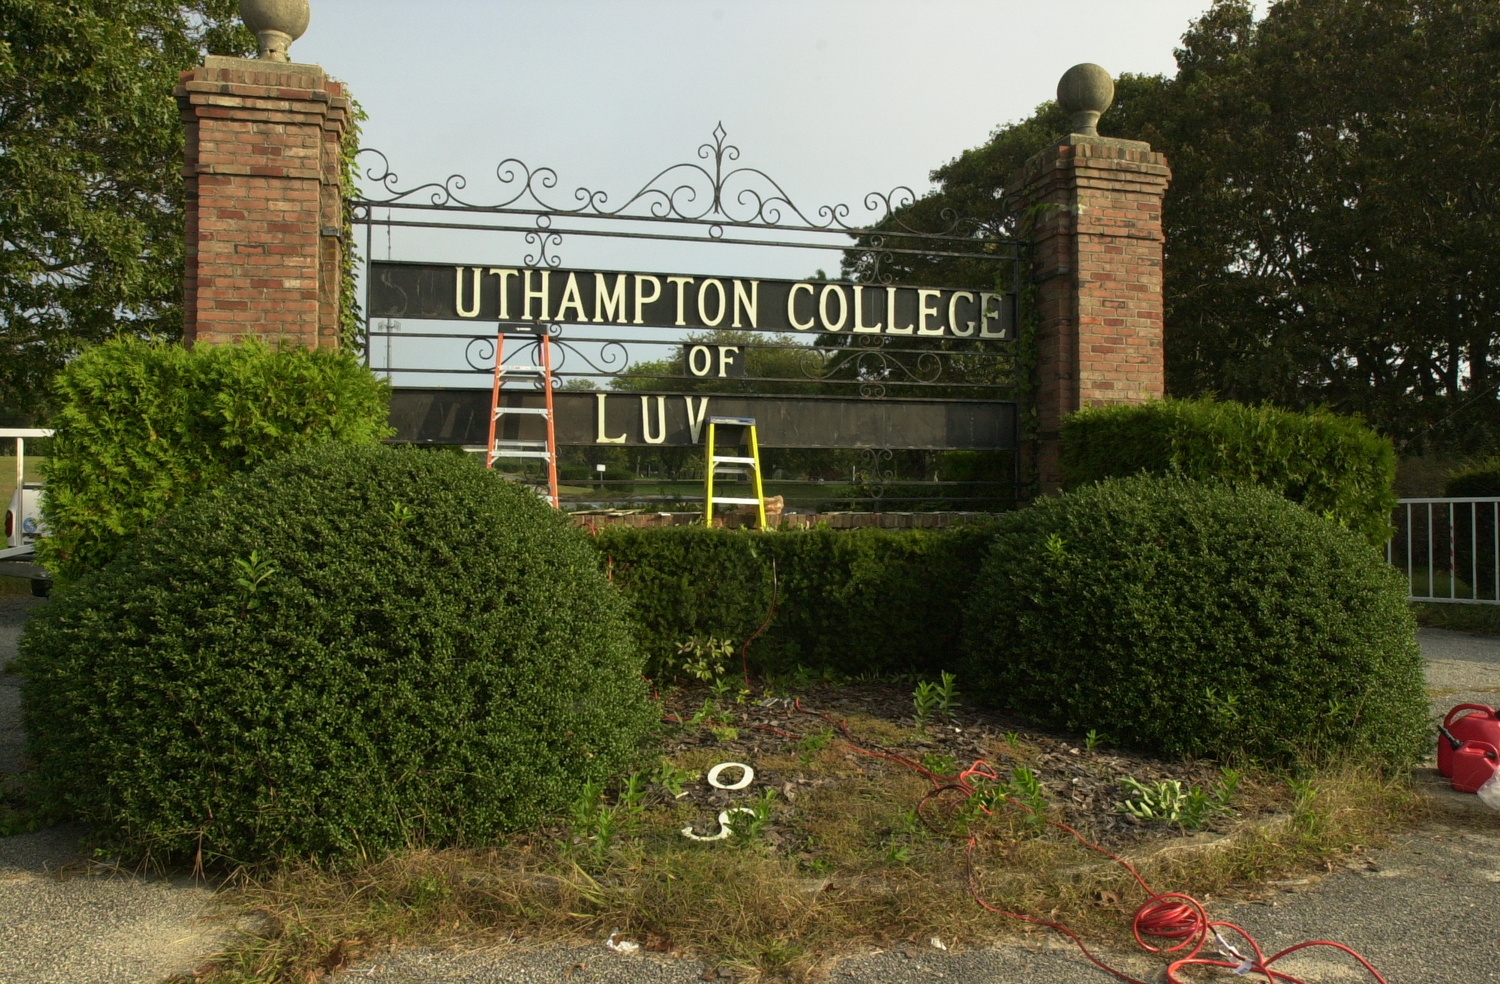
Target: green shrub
[850,601]
[142,426]
[352,649]
[1191,618]
[1335,466]
[1475,480]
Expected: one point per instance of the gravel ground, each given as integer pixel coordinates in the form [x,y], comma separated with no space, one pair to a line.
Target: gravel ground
[1461,668]
[1422,909]
[67,921]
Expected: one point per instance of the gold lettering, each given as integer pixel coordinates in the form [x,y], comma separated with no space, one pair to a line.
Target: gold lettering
[607,304]
[791,307]
[953,314]
[641,300]
[838,292]
[572,299]
[527,295]
[681,284]
[703,307]
[504,275]
[751,301]
[472,312]
[985,316]
[890,314]
[924,312]
[661,420]
[859,314]
[695,420]
[725,359]
[599,433]
[693,362]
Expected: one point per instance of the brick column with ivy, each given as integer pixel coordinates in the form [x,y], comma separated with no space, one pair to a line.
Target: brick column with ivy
[1093,208]
[264,213]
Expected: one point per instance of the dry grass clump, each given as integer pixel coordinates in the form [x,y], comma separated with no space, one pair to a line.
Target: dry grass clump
[835,857]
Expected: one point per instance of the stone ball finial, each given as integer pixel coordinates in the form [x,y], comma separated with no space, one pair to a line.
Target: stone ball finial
[277,23]
[1084,93]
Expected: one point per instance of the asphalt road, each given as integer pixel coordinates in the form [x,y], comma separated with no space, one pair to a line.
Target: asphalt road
[1425,910]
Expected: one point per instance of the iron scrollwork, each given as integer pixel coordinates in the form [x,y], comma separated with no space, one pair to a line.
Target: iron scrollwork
[876,470]
[611,359]
[716,192]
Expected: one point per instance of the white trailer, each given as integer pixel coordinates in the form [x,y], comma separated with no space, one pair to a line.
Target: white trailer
[23,518]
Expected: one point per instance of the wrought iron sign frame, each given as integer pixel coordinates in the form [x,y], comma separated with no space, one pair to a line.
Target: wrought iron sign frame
[717,201]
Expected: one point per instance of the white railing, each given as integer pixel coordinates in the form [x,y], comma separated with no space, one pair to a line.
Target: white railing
[1449,549]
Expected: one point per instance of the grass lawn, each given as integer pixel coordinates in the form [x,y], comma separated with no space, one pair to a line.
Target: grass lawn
[13,586]
[1481,619]
[832,847]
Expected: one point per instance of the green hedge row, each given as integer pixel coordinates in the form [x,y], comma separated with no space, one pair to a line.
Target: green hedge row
[1333,465]
[142,425]
[852,601]
[1475,480]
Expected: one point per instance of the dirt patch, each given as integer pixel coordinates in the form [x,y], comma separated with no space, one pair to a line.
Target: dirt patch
[795,751]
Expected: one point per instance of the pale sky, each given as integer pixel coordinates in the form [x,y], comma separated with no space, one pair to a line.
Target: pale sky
[831,98]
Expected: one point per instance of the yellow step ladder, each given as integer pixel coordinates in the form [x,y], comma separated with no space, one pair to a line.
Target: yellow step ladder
[733,464]
[542,371]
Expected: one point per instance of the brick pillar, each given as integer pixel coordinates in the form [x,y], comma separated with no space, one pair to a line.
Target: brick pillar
[263,201]
[1098,272]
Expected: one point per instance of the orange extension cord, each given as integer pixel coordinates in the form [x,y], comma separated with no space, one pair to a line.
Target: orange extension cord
[1166,917]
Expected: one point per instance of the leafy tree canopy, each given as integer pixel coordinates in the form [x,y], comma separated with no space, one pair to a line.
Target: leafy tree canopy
[1335,198]
[91,189]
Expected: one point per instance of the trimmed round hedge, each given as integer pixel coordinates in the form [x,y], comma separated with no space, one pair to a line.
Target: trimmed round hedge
[1190,619]
[349,650]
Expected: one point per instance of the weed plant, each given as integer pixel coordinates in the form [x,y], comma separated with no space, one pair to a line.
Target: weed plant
[1167,800]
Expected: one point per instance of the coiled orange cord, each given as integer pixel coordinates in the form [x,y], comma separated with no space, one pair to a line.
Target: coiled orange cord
[1171,916]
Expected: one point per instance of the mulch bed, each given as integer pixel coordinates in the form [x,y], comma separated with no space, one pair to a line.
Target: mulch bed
[1083,784]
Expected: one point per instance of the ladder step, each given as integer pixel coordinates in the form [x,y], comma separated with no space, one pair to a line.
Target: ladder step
[533,370]
[720,459]
[736,421]
[735,502]
[500,453]
[536,411]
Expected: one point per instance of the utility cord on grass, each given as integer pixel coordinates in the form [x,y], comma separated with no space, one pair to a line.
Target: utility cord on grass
[1171,916]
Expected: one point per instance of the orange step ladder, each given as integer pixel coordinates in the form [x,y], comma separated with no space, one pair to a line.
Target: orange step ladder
[541,371]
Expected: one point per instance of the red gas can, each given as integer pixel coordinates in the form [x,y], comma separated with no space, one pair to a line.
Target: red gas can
[1473,765]
[1466,722]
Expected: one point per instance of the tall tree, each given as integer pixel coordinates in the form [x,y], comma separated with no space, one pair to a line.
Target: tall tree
[1336,192]
[91,190]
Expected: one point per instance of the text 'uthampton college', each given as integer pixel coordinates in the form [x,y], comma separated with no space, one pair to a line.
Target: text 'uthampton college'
[547,296]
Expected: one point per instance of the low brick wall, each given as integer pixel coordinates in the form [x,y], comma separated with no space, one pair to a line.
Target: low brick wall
[834,520]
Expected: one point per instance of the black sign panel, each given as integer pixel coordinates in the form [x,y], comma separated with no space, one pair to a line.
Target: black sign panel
[524,295]
[450,416]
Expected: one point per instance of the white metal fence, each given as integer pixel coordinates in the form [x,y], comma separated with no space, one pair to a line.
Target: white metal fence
[1449,549]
